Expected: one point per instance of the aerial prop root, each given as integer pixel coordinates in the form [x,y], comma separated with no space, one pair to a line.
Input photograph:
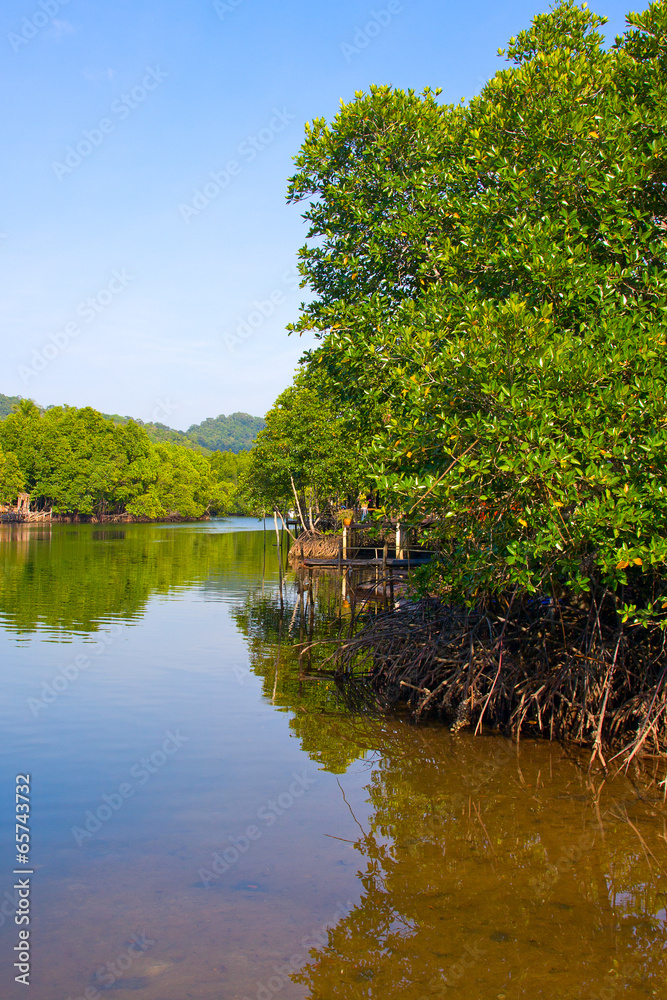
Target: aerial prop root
[579,675]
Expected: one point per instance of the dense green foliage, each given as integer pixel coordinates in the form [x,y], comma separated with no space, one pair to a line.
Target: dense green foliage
[227,470]
[303,460]
[11,478]
[490,293]
[77,462]
[157,433]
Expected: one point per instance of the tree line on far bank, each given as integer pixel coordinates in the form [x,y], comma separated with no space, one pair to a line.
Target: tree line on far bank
[78,462]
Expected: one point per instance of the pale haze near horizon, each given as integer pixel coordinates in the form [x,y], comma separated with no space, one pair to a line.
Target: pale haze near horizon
[148,253]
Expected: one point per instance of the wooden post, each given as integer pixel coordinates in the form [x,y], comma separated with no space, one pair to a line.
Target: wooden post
[301,610]
[311,623]
[344,541]
[279,553]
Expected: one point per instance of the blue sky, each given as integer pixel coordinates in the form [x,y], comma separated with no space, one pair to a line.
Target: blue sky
[123,288]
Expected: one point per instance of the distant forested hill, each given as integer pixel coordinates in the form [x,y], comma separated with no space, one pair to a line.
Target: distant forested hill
[233,433]
[6,403]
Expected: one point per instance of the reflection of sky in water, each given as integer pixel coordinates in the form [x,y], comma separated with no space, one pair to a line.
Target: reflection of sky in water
[625,901]
[448,866]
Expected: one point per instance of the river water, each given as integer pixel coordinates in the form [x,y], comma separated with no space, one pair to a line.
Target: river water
[208,823]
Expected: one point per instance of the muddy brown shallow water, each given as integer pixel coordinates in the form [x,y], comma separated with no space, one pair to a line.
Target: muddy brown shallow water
[269,842]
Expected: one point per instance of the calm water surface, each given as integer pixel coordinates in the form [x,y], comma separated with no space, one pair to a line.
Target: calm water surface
[209,824]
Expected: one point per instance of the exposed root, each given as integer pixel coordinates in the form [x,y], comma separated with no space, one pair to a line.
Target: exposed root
[562,670]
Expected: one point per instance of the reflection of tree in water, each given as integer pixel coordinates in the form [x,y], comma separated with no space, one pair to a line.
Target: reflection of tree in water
[69,577]
[484,873]
[482,878]
[281,652]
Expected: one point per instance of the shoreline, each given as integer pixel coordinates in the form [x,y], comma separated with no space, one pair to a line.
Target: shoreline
[46,517]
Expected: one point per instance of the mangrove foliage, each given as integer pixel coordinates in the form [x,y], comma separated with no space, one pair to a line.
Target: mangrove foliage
[489,290]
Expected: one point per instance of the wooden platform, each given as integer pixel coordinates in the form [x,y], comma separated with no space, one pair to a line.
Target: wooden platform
[394,563]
